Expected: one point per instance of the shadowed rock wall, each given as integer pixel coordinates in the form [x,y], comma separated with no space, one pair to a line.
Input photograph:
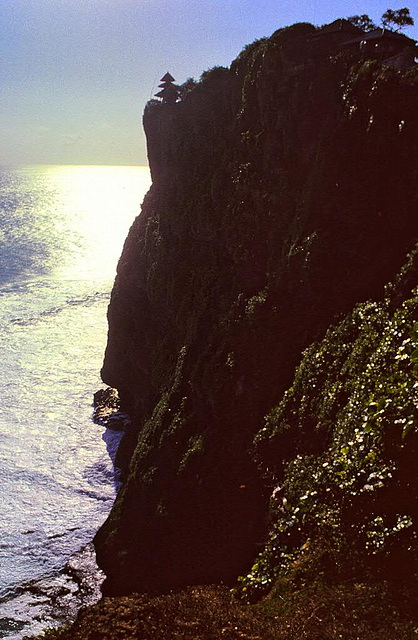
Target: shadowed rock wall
[284,191]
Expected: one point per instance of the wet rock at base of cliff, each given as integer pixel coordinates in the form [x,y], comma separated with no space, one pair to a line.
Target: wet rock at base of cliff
[107,411]
[54,600]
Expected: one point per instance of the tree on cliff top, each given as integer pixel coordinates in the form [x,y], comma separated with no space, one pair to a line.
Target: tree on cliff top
[393,19]
[397,19]
[363,22]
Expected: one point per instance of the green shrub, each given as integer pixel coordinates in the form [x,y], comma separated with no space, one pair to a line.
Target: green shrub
[340,447]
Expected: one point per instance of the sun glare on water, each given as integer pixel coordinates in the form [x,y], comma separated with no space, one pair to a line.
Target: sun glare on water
[62,230]
[95,206]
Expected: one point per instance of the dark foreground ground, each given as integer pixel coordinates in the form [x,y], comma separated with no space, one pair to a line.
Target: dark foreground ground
[347,611]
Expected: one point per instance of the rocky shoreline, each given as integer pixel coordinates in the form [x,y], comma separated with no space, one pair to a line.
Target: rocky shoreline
[52,601]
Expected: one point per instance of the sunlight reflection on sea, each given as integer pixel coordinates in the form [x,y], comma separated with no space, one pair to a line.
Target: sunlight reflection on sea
[61,233]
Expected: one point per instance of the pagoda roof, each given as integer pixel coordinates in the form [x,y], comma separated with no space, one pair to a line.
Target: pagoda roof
[168,91]
[380,33]
[167,78]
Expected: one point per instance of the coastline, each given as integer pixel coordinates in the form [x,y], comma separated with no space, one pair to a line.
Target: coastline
[52,601]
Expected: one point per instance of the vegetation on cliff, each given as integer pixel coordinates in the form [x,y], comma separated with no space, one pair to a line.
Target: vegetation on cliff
[340,559]
[340,451]
[284,192]
[391,19]
[283,201]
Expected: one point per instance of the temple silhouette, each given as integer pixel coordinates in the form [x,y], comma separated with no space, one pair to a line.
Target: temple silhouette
[169,91]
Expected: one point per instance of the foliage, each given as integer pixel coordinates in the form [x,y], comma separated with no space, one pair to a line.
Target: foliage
[297,30]
[255,301]
[214,73]
[248,48]
[195,447]
[293,38]
[186,87]
[397,19]
[340,446]
[362,22]
[392,19]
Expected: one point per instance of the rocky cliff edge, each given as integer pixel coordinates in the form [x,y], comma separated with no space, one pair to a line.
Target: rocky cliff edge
[284,192]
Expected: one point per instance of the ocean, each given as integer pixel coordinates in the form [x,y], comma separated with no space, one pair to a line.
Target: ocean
[62,230]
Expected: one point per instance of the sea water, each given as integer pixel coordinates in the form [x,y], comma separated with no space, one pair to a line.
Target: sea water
[61,232]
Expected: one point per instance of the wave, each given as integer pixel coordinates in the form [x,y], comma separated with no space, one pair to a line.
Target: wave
[30,476]
[95,495]
[98,473]
[83,301]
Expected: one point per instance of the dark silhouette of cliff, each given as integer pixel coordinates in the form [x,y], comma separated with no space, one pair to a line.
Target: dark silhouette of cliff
[284,192]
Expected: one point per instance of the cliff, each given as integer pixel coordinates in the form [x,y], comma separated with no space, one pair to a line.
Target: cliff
[284,193]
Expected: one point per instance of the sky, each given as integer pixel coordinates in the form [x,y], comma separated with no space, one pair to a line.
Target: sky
[75,74]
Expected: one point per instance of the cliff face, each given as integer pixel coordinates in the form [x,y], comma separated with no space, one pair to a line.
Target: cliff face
[340,450]
[284,191]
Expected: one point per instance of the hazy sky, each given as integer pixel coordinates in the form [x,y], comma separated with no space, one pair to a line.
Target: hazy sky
[75,74]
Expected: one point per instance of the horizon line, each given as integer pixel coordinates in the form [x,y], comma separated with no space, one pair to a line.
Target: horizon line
[68,164]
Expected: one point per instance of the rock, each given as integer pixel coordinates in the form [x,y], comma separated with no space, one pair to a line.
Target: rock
[106,398]
[117,421]
[106,405]
[283,194]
